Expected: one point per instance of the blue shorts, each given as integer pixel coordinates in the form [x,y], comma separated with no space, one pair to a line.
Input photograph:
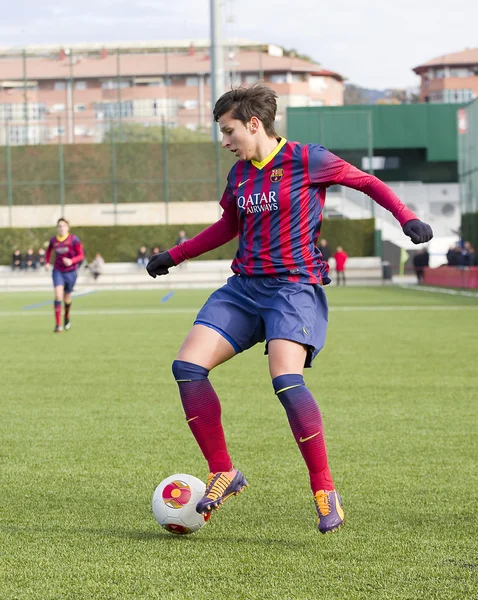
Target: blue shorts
[65,278]
[248,310]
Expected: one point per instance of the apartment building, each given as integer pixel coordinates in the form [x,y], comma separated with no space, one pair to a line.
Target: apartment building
[75,94]
[449,79]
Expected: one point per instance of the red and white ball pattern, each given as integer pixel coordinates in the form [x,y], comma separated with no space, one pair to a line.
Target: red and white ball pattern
[174,504]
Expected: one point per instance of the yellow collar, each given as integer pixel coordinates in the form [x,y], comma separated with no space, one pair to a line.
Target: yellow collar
[267,159]
[62,238]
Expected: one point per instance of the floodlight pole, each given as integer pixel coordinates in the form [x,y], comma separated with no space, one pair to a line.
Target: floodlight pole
[217,61]
[217,83]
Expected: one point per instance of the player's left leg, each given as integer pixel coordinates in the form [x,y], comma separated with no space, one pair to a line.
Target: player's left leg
[70,280]
[286,363]
[67,305]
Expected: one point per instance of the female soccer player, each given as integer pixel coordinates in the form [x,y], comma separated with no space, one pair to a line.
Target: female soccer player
[68,256]
[273,201]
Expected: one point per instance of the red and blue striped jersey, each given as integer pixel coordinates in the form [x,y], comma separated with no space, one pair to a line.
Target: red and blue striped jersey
[275,207]
[279,212]
[70,247]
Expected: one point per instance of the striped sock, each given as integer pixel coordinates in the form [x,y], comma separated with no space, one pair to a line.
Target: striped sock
[58,312]
[203,413]
[67,310]
[306,423]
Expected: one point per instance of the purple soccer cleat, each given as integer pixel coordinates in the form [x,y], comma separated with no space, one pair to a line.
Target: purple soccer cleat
[329,510]
[220,487]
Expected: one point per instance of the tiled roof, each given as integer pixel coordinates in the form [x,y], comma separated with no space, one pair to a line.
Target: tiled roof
[465,57]
[157,64]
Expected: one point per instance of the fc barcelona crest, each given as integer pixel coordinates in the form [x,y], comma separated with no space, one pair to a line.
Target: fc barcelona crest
[276,175]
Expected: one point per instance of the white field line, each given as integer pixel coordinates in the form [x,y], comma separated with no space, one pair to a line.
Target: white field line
[434,290]
[192,311]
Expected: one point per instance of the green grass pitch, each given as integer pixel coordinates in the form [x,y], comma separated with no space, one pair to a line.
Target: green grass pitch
[91,422]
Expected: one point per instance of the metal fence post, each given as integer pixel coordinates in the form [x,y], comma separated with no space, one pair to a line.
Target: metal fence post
[25,95]
[219,184]
[61,168]
[377,234]
[8,161]
[165,172]
[114,181]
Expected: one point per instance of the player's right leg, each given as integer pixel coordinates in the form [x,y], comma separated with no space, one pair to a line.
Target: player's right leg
[203,349]
[228,323]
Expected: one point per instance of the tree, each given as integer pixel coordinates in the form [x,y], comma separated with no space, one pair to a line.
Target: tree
[353,94]
[294,54]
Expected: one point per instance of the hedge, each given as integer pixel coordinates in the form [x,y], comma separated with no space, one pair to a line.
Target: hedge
[121,243]
[143,173]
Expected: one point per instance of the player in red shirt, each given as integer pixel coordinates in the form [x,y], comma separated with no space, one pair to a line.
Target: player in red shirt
[273,202]
[340,260]
[68,256]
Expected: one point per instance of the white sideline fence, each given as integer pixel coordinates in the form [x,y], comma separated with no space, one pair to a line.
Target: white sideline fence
[189,275]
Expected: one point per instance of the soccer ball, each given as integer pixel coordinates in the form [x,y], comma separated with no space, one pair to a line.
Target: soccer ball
[174,504]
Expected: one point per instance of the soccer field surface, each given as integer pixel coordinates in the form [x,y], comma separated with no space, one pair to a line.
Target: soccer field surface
[91,422]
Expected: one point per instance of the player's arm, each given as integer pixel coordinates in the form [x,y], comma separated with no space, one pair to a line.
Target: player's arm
[218,234]
[79,252]
[327,168]
[48,254]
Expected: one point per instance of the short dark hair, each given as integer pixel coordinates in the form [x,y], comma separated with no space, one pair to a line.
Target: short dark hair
[62,220]
[257,101]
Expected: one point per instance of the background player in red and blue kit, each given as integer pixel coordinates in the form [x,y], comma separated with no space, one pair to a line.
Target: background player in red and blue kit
[273,201]
[68,256]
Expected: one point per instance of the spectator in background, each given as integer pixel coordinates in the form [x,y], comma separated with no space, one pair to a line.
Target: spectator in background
[30,260]
[41,258]
[142,259]
[420,261]
[469,255]
[325,250]
[340,260]
[96,266]
[16,260]
[182,237]
[453,256]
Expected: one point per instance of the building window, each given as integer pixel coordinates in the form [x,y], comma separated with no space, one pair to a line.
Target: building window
[114,84]
[59,85]
[251,79]
[16,112]
[381,162]
[80,107]
[149,81]
[457,96]
[278,78]
[114,110]
[57,108]
[317,83]
[460,72]
[192,81]
[190,104]
[436,97]
[17,135]
[81,85]
[80,130]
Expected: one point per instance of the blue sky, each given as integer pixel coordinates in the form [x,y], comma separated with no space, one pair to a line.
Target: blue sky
[374,43]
